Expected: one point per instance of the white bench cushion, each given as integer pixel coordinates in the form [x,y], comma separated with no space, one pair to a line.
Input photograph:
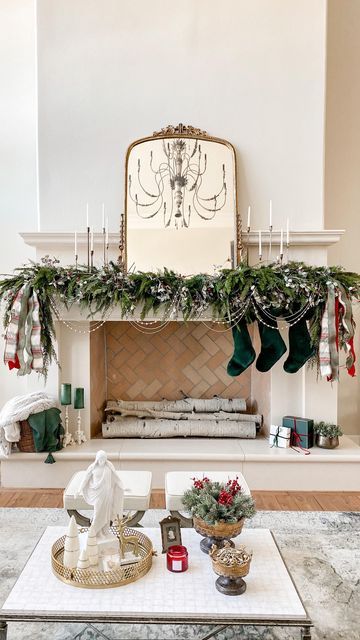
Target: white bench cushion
[137,486]
[176,483]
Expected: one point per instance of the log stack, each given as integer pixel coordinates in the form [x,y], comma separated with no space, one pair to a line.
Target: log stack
[189,417]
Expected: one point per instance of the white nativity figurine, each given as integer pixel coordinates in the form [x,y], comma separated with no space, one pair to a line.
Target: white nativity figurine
[103,490]
[72,545]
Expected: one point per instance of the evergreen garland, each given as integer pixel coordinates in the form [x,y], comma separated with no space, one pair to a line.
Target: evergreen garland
[169,295]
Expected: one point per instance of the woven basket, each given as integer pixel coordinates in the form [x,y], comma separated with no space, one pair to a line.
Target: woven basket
[219,530]
[26,442]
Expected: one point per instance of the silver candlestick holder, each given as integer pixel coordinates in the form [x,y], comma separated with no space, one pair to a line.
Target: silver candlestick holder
[79,435]
[270,242]
[67,438]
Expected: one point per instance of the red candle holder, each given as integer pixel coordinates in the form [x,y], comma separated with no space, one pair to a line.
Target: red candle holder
[177,558]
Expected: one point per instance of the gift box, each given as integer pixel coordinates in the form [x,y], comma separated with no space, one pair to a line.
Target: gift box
[302,431]
[279,436]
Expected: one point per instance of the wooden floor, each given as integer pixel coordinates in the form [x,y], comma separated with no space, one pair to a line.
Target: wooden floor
[265,500]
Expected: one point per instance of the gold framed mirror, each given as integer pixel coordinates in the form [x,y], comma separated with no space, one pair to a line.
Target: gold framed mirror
[181,205]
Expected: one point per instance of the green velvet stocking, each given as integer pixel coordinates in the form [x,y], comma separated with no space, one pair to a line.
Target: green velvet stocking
[244,353]
[272,347]
[300,347]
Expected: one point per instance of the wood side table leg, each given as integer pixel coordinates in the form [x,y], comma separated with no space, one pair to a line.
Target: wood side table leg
[3,630]
[306,633]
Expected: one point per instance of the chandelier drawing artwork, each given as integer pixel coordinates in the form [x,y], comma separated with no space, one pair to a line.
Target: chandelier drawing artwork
[173,186]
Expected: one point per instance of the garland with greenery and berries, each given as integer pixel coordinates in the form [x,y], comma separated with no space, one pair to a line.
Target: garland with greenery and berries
[229,295]
[216,502]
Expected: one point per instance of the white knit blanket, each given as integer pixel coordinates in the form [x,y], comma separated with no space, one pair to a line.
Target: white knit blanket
[20,408]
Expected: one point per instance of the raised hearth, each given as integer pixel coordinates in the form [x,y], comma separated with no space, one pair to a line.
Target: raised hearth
[263,467]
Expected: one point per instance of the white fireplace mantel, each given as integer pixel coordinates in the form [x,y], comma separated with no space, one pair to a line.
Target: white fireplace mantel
[41,240]
[277,393]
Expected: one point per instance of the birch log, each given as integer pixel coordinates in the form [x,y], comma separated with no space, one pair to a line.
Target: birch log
[133,427]
[171,415]
[200,405]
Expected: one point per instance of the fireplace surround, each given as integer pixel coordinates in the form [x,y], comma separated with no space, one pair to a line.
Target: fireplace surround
[99,361]
[83,358]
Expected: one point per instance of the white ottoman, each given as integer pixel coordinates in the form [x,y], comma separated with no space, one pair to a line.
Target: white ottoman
[137,493]
[177,482]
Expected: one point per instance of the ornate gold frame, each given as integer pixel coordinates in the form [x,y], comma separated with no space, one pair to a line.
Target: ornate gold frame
[180,131]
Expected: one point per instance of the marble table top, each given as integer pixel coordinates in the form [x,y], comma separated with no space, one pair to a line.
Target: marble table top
[161,595]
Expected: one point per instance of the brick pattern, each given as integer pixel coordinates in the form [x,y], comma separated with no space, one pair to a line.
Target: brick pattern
[188,358]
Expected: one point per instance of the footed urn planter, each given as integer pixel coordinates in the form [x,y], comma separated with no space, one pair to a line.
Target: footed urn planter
[326,442]
[217,534]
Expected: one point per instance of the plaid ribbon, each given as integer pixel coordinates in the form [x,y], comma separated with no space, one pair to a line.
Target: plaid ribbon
[23,336]
[347,329]
[328,346]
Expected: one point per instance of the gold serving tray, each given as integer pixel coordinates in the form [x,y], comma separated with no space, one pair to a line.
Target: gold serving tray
[93,578]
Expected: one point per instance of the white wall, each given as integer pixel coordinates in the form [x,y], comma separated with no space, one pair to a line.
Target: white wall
[18,184]
[251,71]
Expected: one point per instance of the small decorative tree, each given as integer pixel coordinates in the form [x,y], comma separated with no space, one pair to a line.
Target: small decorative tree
[216,502]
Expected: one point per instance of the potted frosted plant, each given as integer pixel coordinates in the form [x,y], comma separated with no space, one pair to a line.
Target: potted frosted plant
[327,435]
[218,509]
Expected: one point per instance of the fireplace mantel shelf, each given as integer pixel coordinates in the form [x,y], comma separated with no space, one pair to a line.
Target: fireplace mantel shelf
[45,239]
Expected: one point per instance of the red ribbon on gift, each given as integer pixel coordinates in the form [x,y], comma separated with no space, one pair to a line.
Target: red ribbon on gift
[296,441]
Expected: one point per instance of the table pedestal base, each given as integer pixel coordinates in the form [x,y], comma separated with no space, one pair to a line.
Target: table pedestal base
[230,586]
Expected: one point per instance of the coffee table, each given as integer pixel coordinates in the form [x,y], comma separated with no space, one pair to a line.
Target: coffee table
[162,597]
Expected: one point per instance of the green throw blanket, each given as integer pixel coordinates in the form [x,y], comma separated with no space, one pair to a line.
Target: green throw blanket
[47,431]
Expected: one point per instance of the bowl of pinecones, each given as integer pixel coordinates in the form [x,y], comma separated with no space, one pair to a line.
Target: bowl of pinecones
[231,565]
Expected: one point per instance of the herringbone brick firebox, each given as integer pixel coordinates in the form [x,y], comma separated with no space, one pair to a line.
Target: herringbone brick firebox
[187,358]
[183,358]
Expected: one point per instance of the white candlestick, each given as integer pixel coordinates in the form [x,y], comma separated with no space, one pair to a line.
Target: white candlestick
[287,232]
[103,216]
[87,216]
[92,239]
[281,242]
[249,217]
[260,248]
[107,231]
[270,215]
[76,244]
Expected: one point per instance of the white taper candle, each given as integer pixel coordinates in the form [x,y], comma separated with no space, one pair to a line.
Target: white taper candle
[249,218]
[87,215]
[281,242]
[107,231]
[103,216]
[76,244]
[260,248]
[287,231]
[92,239]
[270,214]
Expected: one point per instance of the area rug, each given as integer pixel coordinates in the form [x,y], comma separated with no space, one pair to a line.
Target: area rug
[321,549]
